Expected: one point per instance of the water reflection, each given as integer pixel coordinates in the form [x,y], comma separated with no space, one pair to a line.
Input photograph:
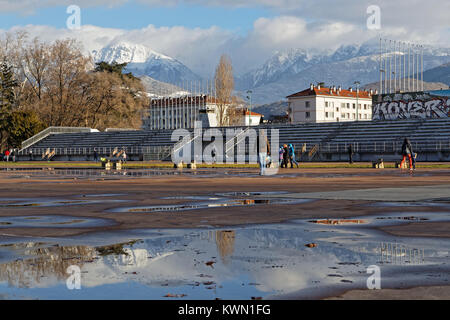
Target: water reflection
[237,263]
[225,244]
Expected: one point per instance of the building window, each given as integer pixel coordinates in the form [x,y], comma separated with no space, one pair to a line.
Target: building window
[354,106]
[353,116]
[326,114]
[348,105]
[343,115]
[307,104]
[326,104]
[308,115]
[337,109]
[342,105]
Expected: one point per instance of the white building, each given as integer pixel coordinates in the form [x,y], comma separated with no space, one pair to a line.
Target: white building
[320,104]
[251,118]
[183,112]
[180,112]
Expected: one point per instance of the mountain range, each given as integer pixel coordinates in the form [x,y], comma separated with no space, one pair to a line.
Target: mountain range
[289,72]
[284,73]
[143,61]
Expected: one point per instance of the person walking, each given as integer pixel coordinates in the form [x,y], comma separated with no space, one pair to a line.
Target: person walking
[292,156]
[95,155]
[281,155]
[30,152]
[407,151]
[285,155]
[263,149]
[7,153]
[350,153]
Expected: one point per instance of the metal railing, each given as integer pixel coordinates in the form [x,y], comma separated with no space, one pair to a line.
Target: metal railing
[52,130]
[162,152]
[382,147]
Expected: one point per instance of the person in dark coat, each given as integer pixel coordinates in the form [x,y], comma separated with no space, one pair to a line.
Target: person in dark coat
[407,151]
[350,153]
[95,155]
[285,156]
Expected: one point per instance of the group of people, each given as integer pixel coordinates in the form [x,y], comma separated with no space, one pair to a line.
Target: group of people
[122,154]
[287,155]
[407,153]
[9,155]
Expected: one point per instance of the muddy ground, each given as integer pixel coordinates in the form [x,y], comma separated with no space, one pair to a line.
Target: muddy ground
[150,191]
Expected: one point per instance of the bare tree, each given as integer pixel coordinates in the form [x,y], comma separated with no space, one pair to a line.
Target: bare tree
[224,82]
[59,83]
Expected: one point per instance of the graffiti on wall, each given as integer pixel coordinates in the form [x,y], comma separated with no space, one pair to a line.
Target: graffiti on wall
[407,106]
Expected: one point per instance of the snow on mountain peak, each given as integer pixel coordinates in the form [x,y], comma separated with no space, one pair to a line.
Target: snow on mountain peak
[142,61]
[124,52]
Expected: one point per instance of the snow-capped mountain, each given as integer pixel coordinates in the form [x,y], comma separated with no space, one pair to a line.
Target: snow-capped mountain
[143,61]
[292,71]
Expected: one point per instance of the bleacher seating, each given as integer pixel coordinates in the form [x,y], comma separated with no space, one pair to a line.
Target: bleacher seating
[420,131]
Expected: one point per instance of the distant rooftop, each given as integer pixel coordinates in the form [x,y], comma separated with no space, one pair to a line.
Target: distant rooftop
[332,92]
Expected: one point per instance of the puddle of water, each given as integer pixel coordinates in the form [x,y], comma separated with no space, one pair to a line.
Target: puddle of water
[411,204]
[214,203]
[339,221]
[251,194]
[236,263]
[52,221]
[40,202]
[101,195]
[191,198]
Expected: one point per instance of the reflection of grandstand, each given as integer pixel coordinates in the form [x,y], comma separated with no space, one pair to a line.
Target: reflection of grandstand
[399,254]
[225,244]
[48,262]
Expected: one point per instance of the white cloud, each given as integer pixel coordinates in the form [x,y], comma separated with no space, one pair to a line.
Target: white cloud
[314,25]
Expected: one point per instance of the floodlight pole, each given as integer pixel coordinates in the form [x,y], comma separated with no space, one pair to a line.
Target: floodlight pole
[249,92]
[357,98]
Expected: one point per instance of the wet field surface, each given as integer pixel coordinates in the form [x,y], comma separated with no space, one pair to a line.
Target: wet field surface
[98,173]
[301,258]
[305,258]
[52,221]
[235,263]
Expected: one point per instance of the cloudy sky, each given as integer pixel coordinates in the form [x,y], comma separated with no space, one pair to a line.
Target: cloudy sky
[197,31]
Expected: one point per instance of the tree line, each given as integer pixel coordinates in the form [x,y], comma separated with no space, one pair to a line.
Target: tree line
[54,84]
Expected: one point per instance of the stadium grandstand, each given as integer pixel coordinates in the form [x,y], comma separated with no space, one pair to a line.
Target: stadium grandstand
[313,142]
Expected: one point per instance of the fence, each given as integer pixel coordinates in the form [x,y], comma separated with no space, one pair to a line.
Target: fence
[164,152]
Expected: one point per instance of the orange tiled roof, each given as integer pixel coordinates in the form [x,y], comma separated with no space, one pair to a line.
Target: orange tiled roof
[248,113]
[331,93]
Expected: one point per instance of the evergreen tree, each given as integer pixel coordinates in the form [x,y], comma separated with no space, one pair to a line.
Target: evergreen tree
[7,100]
[7,86]
[117,68]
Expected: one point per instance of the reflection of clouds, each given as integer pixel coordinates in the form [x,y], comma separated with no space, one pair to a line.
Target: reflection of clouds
[273,259]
